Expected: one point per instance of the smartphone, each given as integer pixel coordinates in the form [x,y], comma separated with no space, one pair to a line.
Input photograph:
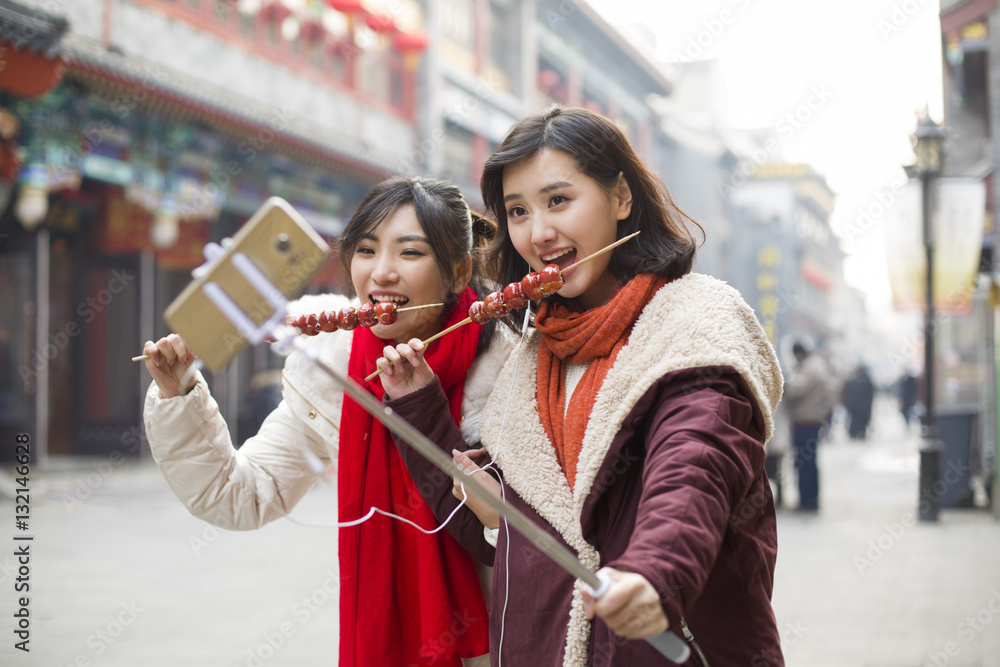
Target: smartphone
[284,250]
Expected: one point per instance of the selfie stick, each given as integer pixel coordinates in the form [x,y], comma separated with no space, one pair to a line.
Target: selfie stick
[667,643]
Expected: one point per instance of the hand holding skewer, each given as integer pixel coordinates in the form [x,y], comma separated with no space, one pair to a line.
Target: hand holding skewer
[170,359]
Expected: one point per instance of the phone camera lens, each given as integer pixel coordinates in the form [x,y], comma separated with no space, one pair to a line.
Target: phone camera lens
[283,244]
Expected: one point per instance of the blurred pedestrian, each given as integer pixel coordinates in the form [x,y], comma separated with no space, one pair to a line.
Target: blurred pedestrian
[810,400]
[907,392]
[858,395]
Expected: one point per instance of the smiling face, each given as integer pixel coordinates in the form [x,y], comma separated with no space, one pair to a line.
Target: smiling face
[395,262]
[558,215]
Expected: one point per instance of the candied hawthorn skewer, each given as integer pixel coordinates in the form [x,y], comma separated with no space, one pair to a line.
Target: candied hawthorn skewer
[348,318]
[368,315]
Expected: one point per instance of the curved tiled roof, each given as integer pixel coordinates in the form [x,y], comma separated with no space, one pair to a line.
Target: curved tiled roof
[35,30]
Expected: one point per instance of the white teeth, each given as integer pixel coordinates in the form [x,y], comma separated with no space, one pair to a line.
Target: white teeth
[549,258]
[385,297]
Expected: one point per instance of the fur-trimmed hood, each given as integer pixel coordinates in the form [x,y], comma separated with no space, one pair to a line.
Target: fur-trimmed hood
[693,322]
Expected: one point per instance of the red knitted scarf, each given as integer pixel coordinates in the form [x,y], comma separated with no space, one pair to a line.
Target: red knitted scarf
[403,593]
[595,335]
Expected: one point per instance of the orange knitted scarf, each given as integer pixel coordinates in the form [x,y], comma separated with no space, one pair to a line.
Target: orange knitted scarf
[569,336]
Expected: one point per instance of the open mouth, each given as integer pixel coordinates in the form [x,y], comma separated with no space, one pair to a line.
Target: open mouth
[400,301]
[562,258]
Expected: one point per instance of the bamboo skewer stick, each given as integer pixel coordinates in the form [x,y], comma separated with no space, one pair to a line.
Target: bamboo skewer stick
[427,342]
[600,252]
[427,305]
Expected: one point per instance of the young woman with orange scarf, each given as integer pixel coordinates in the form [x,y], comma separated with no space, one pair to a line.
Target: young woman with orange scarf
[632,428]
[406,598]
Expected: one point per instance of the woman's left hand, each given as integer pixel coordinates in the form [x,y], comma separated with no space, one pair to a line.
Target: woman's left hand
[631,606]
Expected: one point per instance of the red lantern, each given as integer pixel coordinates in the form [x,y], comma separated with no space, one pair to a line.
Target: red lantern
[411,42]
[411,45]
[382,23]
[347,6]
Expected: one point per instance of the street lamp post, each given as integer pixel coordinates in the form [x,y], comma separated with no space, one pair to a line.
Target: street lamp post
[927,141]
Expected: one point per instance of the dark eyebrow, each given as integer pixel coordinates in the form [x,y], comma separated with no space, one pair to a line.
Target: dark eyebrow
[409,238]
[402,239]
[548,188]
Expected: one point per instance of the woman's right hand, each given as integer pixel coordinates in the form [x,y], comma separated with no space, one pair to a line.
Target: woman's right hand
[404,369]
[169,360]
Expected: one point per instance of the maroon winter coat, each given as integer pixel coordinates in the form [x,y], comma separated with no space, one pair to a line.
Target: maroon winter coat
[670,485]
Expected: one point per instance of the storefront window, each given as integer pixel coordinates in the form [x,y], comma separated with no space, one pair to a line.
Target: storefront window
[505,44]
[17,366]
[109,326]
[458,153]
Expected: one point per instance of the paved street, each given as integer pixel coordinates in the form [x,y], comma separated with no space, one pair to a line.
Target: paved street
[864,584]
[122,576]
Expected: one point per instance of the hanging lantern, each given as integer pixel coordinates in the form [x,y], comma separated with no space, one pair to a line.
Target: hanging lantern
[166,223]
[33,201]
[381,23]
[349,8]
[411,45]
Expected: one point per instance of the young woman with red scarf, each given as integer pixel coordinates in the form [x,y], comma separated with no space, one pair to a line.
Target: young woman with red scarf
[632,429]
[406,598]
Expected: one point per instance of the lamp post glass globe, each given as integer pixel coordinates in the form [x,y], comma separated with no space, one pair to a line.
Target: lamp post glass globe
[32,206]
[927,146]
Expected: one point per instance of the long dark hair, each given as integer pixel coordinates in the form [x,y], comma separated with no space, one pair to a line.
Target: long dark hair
[454,232]
[601,151]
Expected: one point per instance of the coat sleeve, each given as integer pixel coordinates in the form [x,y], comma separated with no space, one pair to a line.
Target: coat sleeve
[235,489]
[703,451]
[427,410]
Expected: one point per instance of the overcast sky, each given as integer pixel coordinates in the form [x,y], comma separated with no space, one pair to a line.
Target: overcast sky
[877,61]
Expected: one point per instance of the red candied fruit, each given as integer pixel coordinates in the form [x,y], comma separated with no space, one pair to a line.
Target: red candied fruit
[551,279]
[493,305]
[366,315]
[385,311]
[513,298]
[347,318]
[328,321]
[477,314]
[531,287]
